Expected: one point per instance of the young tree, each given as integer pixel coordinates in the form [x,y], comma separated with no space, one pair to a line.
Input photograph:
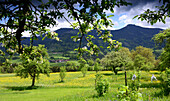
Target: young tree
[91,64]
[96,67]
[83,66]
[34,62]
[62,73]
[84,70]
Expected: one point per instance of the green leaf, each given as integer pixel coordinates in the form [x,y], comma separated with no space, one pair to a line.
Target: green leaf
[135,16]
[110,16]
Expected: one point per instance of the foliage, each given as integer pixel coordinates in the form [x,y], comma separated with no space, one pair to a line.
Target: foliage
[82,62]
[143,58]
[160,14]
[62,73]
[134,85]
[165,81]
[139,62]
[34,62]
[148,66]
[20,16]
[165,56]
[91,63]
[124,94]
[84,70]
[144,52]
[117,59]
[102,85]
[72,65]
[91,15]
[83,66]
[96,67]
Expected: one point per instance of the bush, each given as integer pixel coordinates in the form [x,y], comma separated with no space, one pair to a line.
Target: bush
[165,81]
[84,70]
[62,73]
[102,85]
[124,94]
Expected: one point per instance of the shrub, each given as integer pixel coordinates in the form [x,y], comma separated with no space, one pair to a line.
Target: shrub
[84,70]
[62,73]
[165,81]
[134,84]
[124,94]
[102,85]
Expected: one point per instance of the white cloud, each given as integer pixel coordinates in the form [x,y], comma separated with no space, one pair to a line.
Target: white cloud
[127,18]
[123,17]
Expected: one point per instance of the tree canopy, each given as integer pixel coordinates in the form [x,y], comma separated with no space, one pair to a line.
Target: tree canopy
[19,16]
[34,62]
[159,38]
[116,59]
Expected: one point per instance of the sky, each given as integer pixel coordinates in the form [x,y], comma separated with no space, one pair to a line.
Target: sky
[122,16]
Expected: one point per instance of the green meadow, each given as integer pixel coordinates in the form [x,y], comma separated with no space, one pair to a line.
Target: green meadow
[75,87]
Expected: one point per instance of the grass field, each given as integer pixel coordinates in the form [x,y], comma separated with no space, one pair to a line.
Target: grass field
[75,88]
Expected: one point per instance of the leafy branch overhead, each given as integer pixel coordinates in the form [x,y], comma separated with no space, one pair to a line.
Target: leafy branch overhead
[89,15]
[19,16]
[162,12]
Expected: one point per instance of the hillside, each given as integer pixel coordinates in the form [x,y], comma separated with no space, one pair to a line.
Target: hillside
[131,36]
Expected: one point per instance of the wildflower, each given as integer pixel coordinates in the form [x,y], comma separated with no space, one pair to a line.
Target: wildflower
[153,78]
[134,77]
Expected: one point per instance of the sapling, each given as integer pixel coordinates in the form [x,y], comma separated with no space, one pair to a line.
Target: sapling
[84,70]
[62,73]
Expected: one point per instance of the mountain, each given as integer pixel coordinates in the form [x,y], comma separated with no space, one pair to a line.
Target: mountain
[130,36]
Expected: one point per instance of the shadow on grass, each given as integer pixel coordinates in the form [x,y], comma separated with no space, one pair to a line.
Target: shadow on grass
[107,74]
[21,88]
[58,81]
[150,85]
[110,74]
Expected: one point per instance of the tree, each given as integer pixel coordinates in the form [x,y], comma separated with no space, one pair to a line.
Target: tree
[62,73]
[147,56]
[116,59]
[83,66]
[20,16]
[34,61]
[160,14]
[84,70]
[91,63]
[139,61]
[145,52]
[159,38]
[72,65]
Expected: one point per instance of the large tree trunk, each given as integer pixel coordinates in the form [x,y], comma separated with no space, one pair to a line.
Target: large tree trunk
[33,80]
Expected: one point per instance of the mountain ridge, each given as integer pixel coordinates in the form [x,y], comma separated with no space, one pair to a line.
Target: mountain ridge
[130,36]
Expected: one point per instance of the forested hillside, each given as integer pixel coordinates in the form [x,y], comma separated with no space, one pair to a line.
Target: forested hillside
[131,36]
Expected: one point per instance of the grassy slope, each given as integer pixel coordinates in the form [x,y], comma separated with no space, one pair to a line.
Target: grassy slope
[75,87]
